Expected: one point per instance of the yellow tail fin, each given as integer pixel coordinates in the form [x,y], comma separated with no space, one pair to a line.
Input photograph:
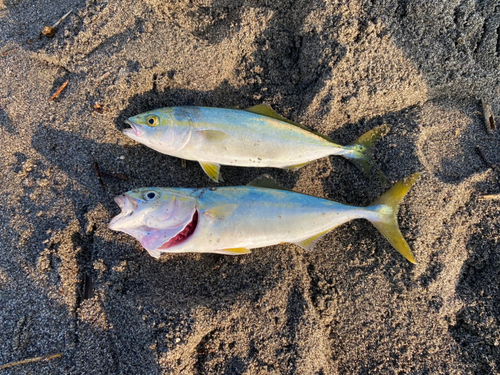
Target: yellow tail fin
[388,206]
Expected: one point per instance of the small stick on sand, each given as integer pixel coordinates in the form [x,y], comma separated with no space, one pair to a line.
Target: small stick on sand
[58,92]
[8,52]
[183,163]
[490,197]
[98,173]
[30,360]
[88,286]
[489,119]
[101,78]
[104,76]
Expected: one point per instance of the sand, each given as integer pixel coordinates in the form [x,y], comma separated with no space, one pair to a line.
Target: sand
[353,305]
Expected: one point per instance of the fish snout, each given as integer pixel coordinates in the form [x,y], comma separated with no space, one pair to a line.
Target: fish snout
[126,202]
[134,130]
[120,201]
[128,205]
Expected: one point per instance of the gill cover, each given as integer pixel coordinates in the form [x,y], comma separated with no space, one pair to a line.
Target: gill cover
[166,220]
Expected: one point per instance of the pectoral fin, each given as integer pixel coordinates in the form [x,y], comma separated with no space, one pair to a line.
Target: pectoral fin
[308,243]
[220,212]
[236,251]
[154,253]
[212,135]
[211,169]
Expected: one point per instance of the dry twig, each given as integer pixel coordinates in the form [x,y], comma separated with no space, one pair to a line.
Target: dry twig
[490,197]
[98,173]
[8,52]
[58,92]
[489,119]
[30,360]
[101,78]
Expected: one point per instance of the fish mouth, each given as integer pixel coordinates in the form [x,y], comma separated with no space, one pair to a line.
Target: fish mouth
[128,205]
[183,235]
[134,130]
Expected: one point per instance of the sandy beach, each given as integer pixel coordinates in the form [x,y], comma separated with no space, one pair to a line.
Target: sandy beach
[353,305]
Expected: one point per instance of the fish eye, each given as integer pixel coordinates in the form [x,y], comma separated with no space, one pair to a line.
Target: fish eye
[153,121]
[150,195]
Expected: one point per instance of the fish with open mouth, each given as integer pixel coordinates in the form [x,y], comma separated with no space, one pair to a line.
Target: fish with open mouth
[254,137]
[233,220]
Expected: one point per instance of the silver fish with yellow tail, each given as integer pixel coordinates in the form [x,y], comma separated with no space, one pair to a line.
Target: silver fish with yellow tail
[233,220]
[254,137]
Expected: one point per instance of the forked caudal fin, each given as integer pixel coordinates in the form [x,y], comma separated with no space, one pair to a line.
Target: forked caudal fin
[363,150]
[387,207]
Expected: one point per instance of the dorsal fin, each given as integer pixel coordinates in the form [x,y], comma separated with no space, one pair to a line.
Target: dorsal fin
[267,182]
[265,110]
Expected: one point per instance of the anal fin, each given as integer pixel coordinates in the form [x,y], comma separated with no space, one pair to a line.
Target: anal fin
[309,243]
[235,251]
[211,169]
[297,166]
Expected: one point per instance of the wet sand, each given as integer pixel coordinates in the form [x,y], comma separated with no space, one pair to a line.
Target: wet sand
[353,305]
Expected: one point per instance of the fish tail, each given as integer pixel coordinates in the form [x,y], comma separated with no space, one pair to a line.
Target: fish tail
[362,150]
[386,209]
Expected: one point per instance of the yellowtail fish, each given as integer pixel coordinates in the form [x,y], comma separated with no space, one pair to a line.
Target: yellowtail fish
[233,220]
[254,137]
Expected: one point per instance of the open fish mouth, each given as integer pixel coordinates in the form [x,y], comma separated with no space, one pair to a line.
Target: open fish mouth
[127,204]
[183,235]
[134,129]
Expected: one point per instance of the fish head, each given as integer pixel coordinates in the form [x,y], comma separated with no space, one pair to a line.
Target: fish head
[157,217]
[161,129]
